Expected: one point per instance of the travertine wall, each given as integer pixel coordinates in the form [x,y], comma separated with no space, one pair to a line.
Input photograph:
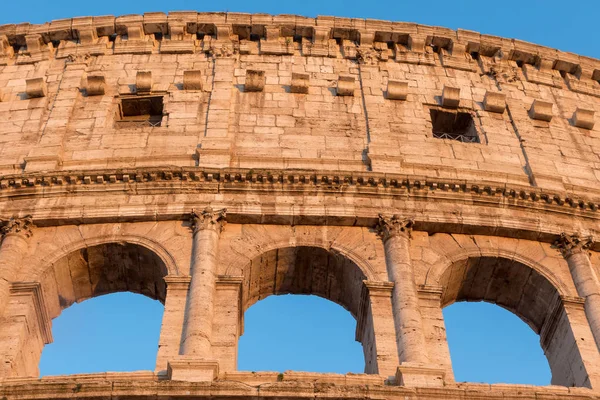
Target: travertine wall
[296,155]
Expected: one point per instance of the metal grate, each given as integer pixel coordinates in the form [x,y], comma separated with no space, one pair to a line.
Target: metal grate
[456,136]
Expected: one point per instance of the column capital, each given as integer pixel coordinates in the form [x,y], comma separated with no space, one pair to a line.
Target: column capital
[389,226]
[573,244]
[208,219]
[16,225]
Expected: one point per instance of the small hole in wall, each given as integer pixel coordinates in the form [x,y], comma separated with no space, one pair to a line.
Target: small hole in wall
[520,63]
[254,37]
[55,43]
[453,125]
[475,55]
[112,37]
[200,35]
[158,36]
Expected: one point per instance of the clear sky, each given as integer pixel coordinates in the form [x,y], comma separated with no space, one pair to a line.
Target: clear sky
[120,332]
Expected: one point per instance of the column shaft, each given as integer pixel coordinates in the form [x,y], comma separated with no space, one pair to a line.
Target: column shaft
[405,301]
[197,328]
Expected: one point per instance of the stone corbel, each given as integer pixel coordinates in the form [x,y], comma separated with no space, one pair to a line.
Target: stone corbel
[450,97]
[541,110]
[346,85]
[255,81]
[95,85]
[89,42]
[585,80]
[274,43]
[457,58]
[300,83]
[396,90]
[35,87]
[583,118]
[33,291]
[192,80]
[543,73]
[37,50]
[494,102]
[179,41]
[143,82]
[138,42]
[417,51]
[6,50]
[319,45]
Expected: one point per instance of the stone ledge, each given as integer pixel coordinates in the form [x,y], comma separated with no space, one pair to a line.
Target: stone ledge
[122,385]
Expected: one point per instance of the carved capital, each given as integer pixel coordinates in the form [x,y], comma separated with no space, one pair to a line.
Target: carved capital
[573,244]
[208,219]
[394,225]
[16,225]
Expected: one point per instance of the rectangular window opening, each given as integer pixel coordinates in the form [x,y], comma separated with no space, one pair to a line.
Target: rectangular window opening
[141,111]
[454,125]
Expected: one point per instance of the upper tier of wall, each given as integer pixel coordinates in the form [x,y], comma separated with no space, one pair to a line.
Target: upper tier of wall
[333,94]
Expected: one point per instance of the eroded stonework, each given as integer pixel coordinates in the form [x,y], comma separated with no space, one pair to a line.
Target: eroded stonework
[209,160]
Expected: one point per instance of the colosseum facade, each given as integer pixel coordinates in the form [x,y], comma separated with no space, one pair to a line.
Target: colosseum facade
[209,160]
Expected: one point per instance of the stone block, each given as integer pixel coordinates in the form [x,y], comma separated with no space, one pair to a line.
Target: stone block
[583,118]
[192,80]
[346,85]
[397,90]
[192,369]
[143,81]
[299,83]
[255,81]
[494,102]
[450,97]
[541,110]
[419,376]
[95,85]
[35,87]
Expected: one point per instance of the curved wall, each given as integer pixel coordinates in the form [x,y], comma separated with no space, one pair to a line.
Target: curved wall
[391,167]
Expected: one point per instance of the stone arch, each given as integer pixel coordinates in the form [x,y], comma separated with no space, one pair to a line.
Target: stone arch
[324,272]
[531,292]
[152,245]
[436,271]
[85,269]
[233,266]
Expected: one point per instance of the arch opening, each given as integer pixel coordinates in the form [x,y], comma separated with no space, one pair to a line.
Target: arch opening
[299,333]
[306,270]
[529,295]
[87,273]
[101,334]
[491,344]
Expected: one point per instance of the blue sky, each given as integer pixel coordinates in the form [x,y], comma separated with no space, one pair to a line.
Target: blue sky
[487,343]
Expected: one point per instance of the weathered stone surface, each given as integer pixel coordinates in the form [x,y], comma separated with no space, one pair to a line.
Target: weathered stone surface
[332,187]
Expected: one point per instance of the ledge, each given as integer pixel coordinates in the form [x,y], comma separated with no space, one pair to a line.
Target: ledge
[248,385]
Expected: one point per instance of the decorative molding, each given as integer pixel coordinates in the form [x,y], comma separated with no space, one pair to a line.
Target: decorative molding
[177,282]
[208,219]
[19,226]
[395,225]
[573,244]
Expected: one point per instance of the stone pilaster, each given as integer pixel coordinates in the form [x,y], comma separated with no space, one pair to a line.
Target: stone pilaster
[196,362]
[26,328]
[574,249]
[375,328]
[15,232]
[415,368]
[172,322]
[228,321]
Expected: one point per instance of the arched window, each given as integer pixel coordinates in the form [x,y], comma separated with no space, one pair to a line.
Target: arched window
[530,296]
[326,274]
[301,333]
[115,332]
[84,274]
[492,345]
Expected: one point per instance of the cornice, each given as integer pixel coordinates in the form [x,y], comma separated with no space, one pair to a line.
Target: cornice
[194,179]
[228,34]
